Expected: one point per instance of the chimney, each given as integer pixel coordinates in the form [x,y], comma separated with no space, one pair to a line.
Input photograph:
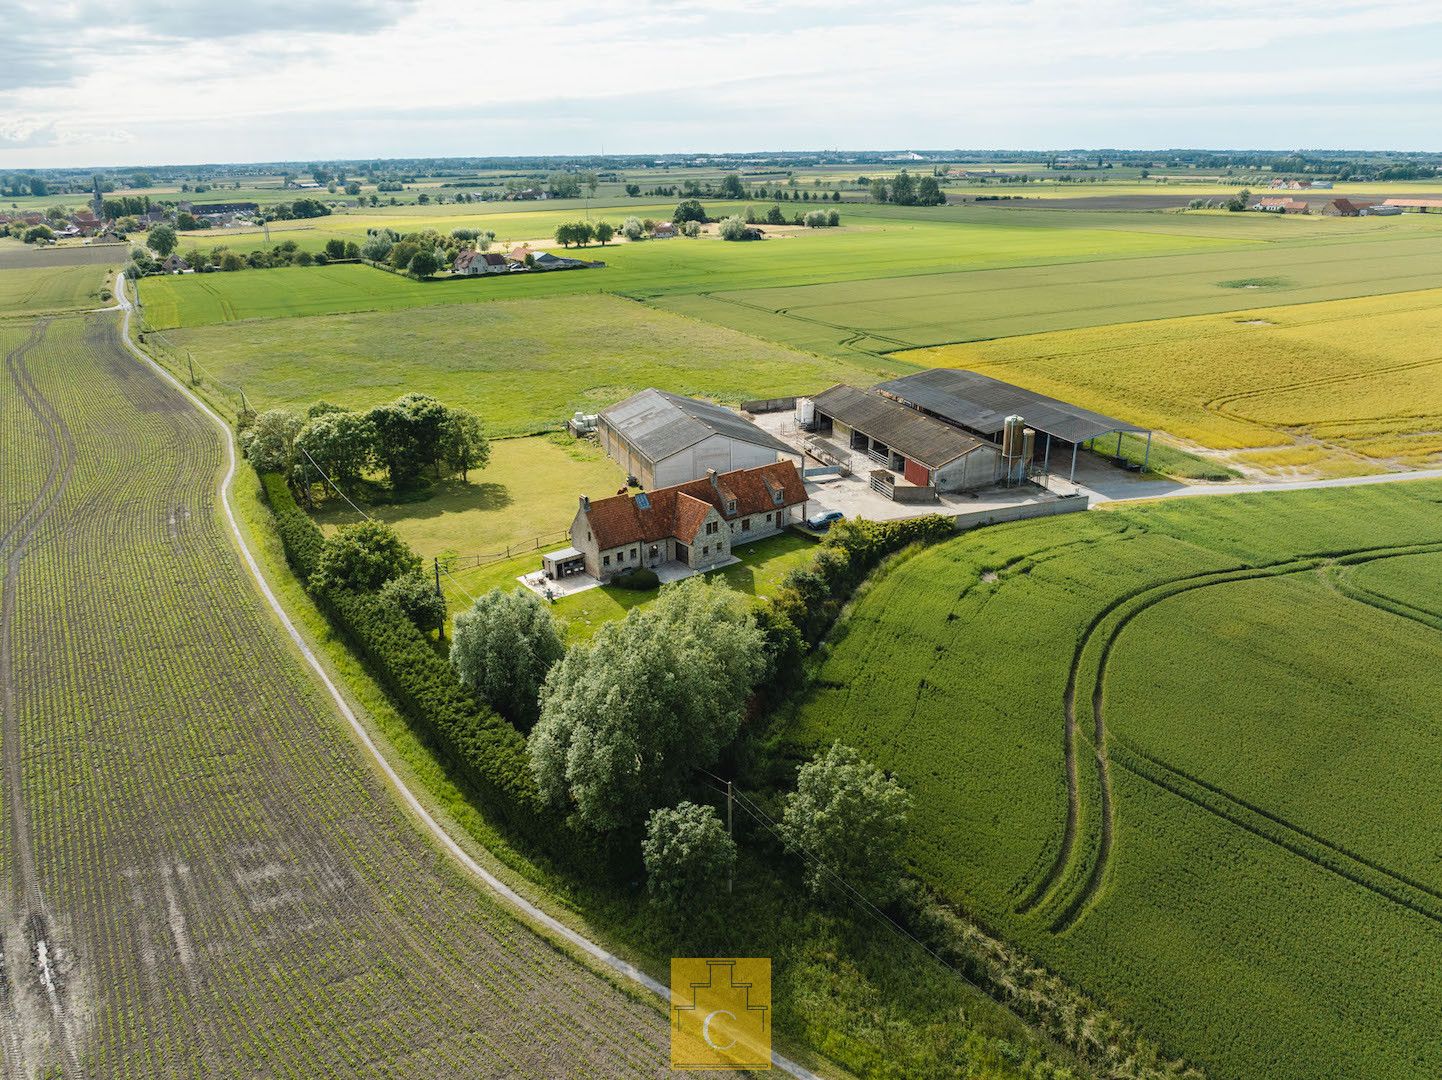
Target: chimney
[585,504]
[711,475]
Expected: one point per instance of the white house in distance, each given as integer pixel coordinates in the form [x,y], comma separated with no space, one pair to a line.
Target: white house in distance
[696,523]
[663,439]
[472,263]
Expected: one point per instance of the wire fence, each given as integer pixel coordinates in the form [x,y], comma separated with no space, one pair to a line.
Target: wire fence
[183,361]
[521,547]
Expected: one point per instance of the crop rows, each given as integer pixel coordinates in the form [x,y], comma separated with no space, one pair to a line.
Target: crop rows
[227,889]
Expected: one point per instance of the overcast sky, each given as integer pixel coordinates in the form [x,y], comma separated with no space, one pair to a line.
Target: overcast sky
[132,82]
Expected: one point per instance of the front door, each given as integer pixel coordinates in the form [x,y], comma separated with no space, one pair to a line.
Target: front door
[654,556]
[682,555]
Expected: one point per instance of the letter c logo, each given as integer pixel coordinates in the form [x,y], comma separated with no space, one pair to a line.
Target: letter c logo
[706,1029]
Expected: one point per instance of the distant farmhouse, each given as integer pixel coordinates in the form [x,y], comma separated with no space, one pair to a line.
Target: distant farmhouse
[471,263]
[1421,206]
[696,523]
[1344,208]
[662,439]
[1280,205]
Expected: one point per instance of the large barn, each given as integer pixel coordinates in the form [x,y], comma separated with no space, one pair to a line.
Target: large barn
[979,405]
[663,439]
[927,452]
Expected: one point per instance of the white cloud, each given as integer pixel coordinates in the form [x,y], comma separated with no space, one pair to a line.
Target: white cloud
[268,79]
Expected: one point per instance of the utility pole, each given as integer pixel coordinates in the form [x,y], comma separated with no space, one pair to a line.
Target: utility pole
[441,629]
[731,832]
[190,359]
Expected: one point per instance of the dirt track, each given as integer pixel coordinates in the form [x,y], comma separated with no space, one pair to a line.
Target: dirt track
[227,889]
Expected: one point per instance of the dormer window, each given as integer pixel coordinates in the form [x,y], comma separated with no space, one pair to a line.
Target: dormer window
[731,506]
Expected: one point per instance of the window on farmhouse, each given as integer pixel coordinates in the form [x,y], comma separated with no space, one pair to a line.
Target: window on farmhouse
[768,519]
[605,560]
[746,525]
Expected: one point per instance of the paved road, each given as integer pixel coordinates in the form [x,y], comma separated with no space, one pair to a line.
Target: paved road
[1123,488]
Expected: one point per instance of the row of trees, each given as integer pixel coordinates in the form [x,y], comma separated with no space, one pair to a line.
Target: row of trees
[906,190]
[403,439]
[620,729]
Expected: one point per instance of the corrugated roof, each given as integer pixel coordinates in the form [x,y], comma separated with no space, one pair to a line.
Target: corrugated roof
[658,424]
[908,432]
[981,403]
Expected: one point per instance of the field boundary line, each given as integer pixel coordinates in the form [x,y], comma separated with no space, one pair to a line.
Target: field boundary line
[531,912]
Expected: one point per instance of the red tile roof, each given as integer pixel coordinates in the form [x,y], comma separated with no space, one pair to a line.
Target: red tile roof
[680,511]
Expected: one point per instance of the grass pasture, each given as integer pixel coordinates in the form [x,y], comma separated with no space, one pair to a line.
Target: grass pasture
[1261,677]
[1338,387]
[523,366]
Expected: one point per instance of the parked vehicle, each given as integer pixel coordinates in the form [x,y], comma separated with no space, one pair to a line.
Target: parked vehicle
[822,522]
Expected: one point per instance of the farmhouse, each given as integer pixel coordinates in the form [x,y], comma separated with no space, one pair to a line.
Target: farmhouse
[473,263]
[1343,208]
[663,230]
[979,405]
[696,523]
[662,438]
[927,452]
[1273,205]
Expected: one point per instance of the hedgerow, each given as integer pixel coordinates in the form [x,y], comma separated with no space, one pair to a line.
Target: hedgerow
[487,750]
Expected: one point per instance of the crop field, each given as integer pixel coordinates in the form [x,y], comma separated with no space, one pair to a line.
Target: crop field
[1182,752]
[205,877]
[891,245]
[522,366]
[52,289]
[890,313]
[1341,386]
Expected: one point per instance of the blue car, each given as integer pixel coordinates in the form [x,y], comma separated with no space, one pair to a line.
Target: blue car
[822,522]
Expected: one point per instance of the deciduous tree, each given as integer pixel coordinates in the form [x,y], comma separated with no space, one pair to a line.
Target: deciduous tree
[503,648]
[269,442]
[625,720]
[363,556]
[847,819]
[688,855]
[161,239]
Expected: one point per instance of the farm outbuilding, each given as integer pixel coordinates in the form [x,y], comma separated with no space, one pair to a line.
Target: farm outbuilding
[663,439]
[979,405]
[927,452]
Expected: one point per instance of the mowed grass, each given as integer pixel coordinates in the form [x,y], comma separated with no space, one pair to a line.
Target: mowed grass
[524,498]
[870,245]
[759,573]
[1336,387]
[523,366]
[1269,733]
[47,289]
[888,313]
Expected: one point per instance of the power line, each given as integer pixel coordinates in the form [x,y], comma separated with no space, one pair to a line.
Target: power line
[333,484]
[769,823]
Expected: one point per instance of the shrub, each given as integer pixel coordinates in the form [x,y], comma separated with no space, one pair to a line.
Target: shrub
[641,579]
[363,556]
[734,228]
[503,648]
[688,856]
[416,597]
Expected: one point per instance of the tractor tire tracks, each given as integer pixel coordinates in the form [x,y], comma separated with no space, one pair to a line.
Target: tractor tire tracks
[29,904]
[1070,865]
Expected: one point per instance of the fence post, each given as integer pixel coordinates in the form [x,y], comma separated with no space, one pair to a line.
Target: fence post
[441,628]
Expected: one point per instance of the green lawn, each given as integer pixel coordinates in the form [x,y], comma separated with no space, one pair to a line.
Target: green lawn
[526,496]
[522,366]
[763,564]
[1272,866]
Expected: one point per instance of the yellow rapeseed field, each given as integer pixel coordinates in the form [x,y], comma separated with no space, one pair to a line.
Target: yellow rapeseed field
[1336,387]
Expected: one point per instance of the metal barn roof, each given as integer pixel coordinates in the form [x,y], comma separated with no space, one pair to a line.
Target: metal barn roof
[982,404]
[658,424]
[908,432]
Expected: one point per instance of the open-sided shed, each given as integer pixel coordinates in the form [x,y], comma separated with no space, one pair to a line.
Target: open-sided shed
[980,404]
